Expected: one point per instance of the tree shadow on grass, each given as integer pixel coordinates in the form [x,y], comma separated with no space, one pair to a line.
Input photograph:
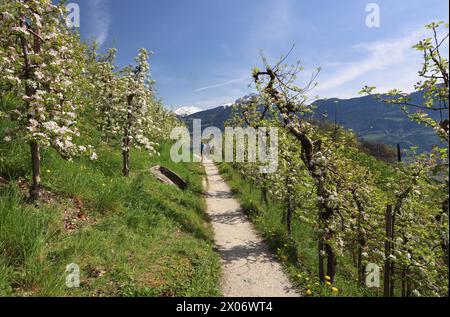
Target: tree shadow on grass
[250,252]
[186,225]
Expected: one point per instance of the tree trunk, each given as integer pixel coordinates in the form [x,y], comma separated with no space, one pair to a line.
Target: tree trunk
[404,281]
[126,140]
[321,261]
[325,247]
[325,213]
[289,218]
[264,195]
[392,274]
[409,284]
[360,264]
[405,269]
[387,252]
[444,238]
[289,207]
[35,190]
[126,155]
[361,242]
[392,239]
[331,262]
[126,163]
[264,198]
[361,268]
[327,235]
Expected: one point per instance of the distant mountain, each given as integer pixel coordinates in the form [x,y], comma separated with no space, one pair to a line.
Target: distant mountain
[373,120]
[187,111]
[215,117]
[370,119]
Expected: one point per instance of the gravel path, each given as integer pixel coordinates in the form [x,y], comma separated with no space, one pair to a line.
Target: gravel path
[249,269]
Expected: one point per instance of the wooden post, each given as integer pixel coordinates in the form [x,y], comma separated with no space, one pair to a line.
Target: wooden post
[387,252]
[399,153]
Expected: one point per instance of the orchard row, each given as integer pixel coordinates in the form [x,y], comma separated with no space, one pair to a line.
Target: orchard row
[65,90]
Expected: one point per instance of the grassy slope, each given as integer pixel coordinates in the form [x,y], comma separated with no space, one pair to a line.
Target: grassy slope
[130,237]
[298,253]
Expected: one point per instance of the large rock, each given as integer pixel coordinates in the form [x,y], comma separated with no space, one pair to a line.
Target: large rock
[166,176]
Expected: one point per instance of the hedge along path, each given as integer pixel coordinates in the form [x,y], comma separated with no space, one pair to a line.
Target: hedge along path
[249,269]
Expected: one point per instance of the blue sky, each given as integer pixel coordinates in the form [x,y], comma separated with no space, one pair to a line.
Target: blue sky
[205,49]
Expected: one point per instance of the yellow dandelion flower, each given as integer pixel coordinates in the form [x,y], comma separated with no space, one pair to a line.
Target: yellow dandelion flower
[309,292]
[328,283]
[327,278]
[335,289]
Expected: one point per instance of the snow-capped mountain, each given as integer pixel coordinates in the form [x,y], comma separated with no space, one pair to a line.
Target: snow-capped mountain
[187,111]
[246,98]
[228,105]
[215,117]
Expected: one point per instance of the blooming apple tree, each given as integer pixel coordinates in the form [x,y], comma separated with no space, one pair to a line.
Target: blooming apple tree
[324,181]
[41,59]
[135,113]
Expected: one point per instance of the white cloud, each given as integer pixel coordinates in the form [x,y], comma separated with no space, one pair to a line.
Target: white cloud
[229,82]
[100,20]
[271,25]
[388,64]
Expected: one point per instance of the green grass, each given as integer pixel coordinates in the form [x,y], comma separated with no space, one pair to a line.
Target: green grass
[136,237]
[297,253]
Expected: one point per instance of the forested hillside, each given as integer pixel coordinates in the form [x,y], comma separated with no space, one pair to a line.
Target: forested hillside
[371,120]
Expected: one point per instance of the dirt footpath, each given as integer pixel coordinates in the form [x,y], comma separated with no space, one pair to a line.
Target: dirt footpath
[249,269]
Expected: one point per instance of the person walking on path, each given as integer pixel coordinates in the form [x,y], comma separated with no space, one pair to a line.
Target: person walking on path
[202,150]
